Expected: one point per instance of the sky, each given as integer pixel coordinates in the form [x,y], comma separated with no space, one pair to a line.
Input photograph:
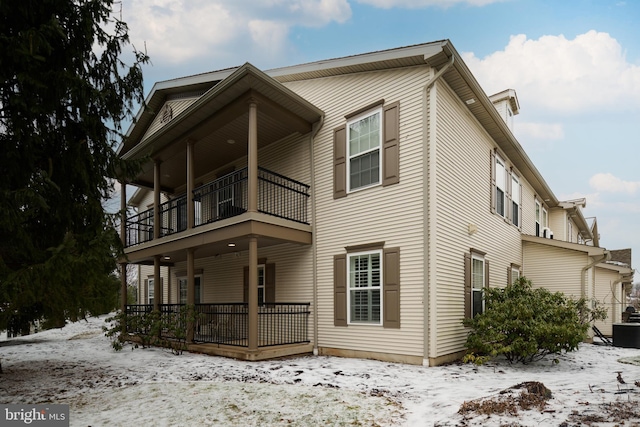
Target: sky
[574,64]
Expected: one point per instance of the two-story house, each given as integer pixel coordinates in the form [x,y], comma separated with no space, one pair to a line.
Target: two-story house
[354,206]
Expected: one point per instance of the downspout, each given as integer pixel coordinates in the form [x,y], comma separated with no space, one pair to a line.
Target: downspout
[314,250]
[583,280]
[626,278]
[429,207]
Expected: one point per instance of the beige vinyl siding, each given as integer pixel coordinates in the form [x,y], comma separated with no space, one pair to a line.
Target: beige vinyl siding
[391,214]
[463,188]
[609,295]
[528,208]
[558,223]
[145,272]
[177,106]
[222,276]
[553,268]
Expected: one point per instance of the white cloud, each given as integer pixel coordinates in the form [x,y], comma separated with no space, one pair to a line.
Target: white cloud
[415,4]
[607,182]
[588,73]
[178,31]
[540,131]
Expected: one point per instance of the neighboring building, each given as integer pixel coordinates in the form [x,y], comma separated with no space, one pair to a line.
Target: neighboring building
[354,206]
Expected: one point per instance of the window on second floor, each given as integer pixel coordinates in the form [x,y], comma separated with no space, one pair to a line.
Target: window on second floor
[569,231]
[515,200]
[542,219]
[366,149]
[364,136]
[500,186]
[506,191]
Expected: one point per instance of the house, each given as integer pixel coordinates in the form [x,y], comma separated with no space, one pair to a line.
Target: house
[354,207]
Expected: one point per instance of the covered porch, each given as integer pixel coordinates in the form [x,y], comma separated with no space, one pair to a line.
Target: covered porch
[212,198]
[222,329]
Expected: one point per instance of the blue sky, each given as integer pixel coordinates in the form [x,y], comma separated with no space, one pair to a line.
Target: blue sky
[575,65]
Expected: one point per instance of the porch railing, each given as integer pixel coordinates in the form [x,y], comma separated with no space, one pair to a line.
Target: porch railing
[278,323]
[173,216]
[225,197]
[139,228]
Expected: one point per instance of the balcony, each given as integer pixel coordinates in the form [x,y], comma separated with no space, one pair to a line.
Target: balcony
[226,197]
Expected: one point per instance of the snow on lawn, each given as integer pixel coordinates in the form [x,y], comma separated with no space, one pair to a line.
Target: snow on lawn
[75,365]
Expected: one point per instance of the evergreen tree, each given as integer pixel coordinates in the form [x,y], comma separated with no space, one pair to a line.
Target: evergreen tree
[65,92]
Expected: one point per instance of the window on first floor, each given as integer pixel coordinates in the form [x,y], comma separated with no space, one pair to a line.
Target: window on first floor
[261,284]
[364,277]
[182,286]
[366,286]
[266,282]
[476,280]
[477,284]
[150,291]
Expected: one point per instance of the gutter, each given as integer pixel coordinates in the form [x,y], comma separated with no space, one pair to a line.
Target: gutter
[429,300]
[583,280]
[314,237]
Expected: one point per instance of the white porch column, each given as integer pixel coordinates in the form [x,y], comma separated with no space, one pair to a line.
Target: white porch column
[253,294]
[252,157]
[191,291]
[156,200]
[190,183]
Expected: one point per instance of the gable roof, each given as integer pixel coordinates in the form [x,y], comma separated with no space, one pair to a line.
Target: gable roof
[436,54]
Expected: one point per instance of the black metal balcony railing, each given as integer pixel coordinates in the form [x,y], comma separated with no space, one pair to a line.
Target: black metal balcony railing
[278,323]
[224,198]
[139,228]
[173,216]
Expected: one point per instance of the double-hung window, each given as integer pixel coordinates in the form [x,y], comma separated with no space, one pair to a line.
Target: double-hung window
[538,214]
[150,290]
[515,200]
[261,283]
[477,284]
[364,278]
[182,284]
[500,186]
[364,142]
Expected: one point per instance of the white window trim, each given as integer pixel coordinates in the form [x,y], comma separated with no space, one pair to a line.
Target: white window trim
[179,278]
[569,231]
[515,183]
[502,187]
[478,257]
[538,215]
[352,254]
[150,289]
[351,121]
[515,274]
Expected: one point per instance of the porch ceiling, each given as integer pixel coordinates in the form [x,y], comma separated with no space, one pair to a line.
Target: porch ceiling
[219,116]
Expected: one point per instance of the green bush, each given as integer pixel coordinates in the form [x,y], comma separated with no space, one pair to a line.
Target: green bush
[525,324]
[153,328]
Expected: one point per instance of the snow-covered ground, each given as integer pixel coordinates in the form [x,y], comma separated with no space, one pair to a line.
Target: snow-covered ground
[75,365]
